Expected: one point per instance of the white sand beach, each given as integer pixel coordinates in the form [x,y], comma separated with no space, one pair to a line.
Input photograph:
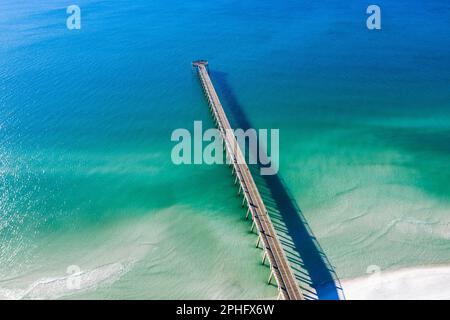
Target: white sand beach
[425,283]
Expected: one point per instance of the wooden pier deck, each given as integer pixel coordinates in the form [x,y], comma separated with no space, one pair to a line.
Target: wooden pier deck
[288,287]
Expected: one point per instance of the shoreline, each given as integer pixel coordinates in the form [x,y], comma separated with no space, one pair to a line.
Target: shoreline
[424,283]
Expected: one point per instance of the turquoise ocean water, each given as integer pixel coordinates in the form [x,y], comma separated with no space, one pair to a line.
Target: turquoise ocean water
[86,177]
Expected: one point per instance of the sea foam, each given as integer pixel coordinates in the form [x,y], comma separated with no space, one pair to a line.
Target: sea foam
[58,287]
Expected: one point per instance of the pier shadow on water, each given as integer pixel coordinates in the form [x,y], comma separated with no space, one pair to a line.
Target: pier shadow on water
[313,271]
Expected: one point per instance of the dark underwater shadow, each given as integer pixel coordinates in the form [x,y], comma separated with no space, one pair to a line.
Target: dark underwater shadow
[313,271]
